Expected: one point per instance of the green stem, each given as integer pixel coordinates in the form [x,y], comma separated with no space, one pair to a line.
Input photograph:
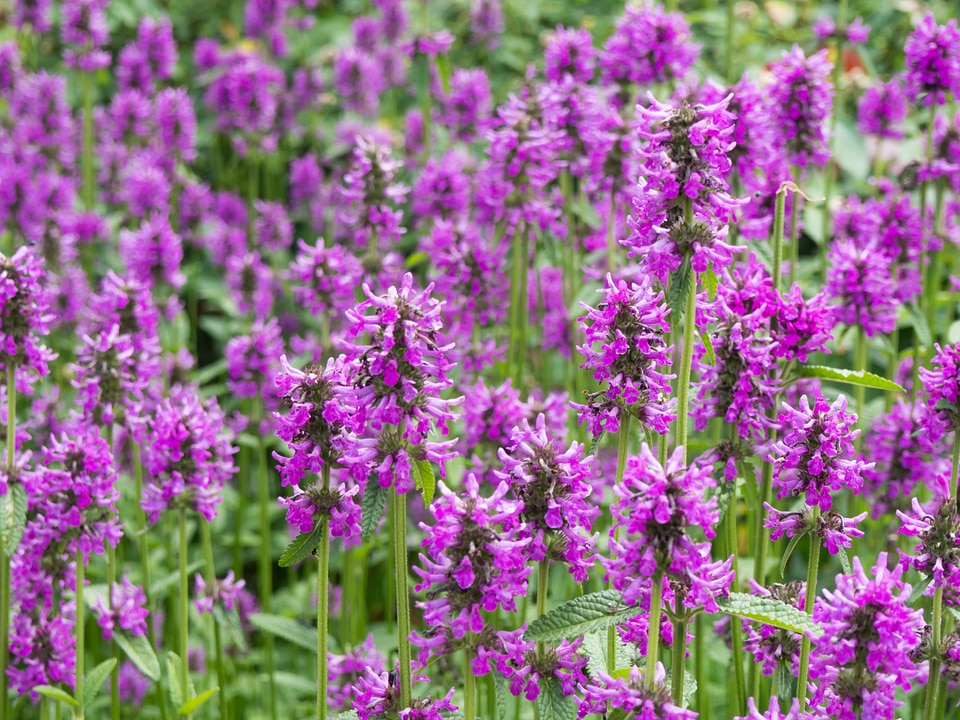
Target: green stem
[679,651]
[612,233]
[653,627]
[115,674]
[78,689]
[323,606]
[955,466]
[686,362]
[266,561]
[935,677]
[89,181]
[399,509]
[524,309]
[731,23]
[217,642]
[623,443]
[543,578]
[736,629]
[184,606]
[831,168]
[519,265]
[813,566]
[469,687]
[921,300]
[932,288]
[860,391]
[4,557]
[703,700]
[794,240]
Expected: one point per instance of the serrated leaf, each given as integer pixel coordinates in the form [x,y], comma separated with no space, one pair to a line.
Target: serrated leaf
[13,516]
[791,546]
[689,687]
[372,507]
[769,612]
[500,692]
[783,682]
[93,680]
[597,653]
[194,703]
[301,546]
[304,636]
[348,715]
[851,377]
[55,693]
[176,687]
[918,322]
[919,589]
[552,704]
[709,279]
[585,614]
[229,620]
[844,560]
[680,280]
[138,650]
[708,347]
[425,479]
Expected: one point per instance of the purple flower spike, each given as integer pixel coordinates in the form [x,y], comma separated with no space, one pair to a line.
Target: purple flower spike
[933,61]
[815,455]
[801,102]
[570,52]
[882,110]
[126,609]
[942,386]
[24,317]
[632,695]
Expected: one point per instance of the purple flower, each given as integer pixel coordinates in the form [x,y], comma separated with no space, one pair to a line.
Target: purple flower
[648,46]
[630,327]
[251,282]
[864,653]
[938,552]
[153,252]
[187,456]
[932,59]
[775,713]
[176,124]
[526,668]
[942,386]
[631,695]
[468,565]
[369,196]
[133,684]
[801,102]
[486,23]
[396,379]
[685,160]
[32,13]
[84,31]
[323,279]
[149,59]
[124,609]
[467,107]
[655,506]
[23,318]
[442,192]
[358,80]
[377,694]
[252,362]
[222,592]
[859,284]
[770,646]
[336,504]
[552,487]
[834,530]
[814,455]
[882,109]
[344,671]
[569,52]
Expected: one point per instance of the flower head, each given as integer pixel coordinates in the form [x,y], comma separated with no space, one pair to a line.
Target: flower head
[932,58]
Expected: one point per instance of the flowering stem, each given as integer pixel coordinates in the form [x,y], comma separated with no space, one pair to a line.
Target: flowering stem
[612,233]
[936,264]
[653,627]
[323,603]
[4,557]
[831,168]
[266,566]
[516,303]
[543,578]
[955,465]
[794,240]
[679,656]
[78,688]
[736,629]
[399,510]
[686,361]
[469,687]
[917,350]
[87,160]
[217,644]
[860,390]
[184,604]
[935,677]
[623,443]
[115,674]
[813,565]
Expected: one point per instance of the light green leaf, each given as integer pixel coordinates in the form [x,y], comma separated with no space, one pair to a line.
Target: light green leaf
[173,673]
[791,546]
[298,684]
[301,546]
[425,479]
[229,620]
[680,281]
[844,560]
[552,704]
[689,687]
[93,681]
[13,516]
[416,259]
[194,704]
[709,279]
[443,70]
[919,324]
[783,680]
[769,612]
[372,507]
[919,589]
[708,346]
[163,586]
[303,636]
[582,615]
[851,377]
[501,693]
[140,653]
[588,213]
[56,693]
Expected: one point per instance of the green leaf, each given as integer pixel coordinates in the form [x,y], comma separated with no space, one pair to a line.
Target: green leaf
[425,480]
[783,681]
[500,691]
[194,704]
[588,213]
[160,588]
[851,377]
[680,280]
[303,636]
[141,654]
[13,516]
[708,346]
[552,704]
[443,70]
[56,693]
[844,560]
[372,507]
[919,324]
[416,259]
[93,680]
[791,546]
[919,589]
[582,615]
[769,612]
[689,687]
[229,620]
[595,648]
[348,715]
[297,683]
[709,279]
[173,671]
[301,546]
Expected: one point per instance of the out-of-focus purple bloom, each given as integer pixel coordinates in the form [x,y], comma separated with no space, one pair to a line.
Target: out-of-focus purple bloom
[486,23]
[625,344]
[824,28]
[859,284]
[815,455]
[323,279]
[631,695]
[176,123]
[358,80]
[443,189]
[942,386]
[882,109]
[32,13]
[864,653]
[84,30]
[801,102]
[932,59]
[252,283]
[124,609]
[133,684]
[467,107]
[938,551]
[272,228]
[345,671]
[570,52]
[222,592]
[187,456]
[153,252]
[370,193]
[265,19]
[24,318]
[151,58]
